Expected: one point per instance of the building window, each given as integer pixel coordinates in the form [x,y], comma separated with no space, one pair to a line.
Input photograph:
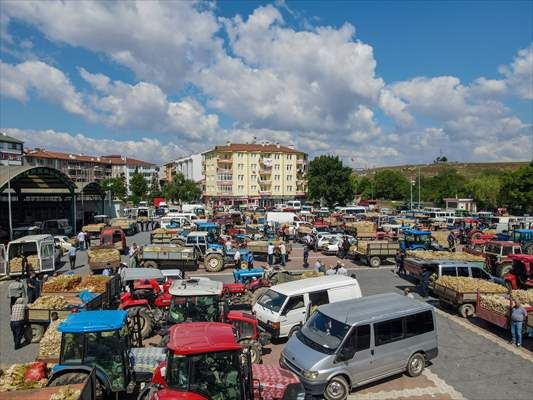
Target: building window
[276,156]
[253,166]
[253,187]
[289,156]
[276,167]
[241,177]
[241,188]
[276,177]
[240,167]
[289,188]
[254,177]
[289,177]
[276,188]
[289,167]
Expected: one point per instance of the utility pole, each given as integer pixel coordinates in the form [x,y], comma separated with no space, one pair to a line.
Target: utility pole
[419,186]
[412,183]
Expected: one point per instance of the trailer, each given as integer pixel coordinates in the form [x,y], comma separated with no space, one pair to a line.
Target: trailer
[127,225]
[169,257]
[375,252]
[99,257]
[499,319]
[465,303]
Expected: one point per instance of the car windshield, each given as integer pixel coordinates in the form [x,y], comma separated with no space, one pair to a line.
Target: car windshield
[272,300]
[323,333]
[213,375]
[194,308]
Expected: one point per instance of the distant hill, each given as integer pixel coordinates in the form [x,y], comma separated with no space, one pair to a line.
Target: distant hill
[467,169]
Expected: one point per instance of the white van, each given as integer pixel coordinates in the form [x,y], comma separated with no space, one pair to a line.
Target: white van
[40,251]
[284,308]
[294,204]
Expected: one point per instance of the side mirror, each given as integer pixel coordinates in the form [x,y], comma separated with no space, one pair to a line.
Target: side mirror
[346,354]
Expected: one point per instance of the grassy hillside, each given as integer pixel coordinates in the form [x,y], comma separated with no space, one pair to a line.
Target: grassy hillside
[467,169]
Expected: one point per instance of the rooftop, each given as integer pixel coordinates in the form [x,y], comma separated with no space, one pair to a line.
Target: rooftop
[257,147]
[93,321]
[368,308]
[319,283]
[196,287]
[201,337]
[107,160]
[9,139]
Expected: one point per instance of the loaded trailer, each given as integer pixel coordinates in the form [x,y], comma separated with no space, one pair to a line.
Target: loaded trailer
[375,252]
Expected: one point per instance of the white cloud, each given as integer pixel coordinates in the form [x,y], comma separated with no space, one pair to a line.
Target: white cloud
[161,41]
[519,75]
[51,84]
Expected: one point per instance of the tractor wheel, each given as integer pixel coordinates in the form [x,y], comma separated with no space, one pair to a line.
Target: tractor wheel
[73,378]
[214,262]
[258,293]
[35,332]
[504,269]
[145,321]
[467,310]
[150,264]
[374,262]
[255,349]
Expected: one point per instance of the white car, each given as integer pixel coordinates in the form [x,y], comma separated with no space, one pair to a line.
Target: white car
[324,239]
[63,242]
[333,245]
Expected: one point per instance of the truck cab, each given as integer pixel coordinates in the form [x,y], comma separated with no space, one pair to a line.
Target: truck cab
[205,361]
[521,274]
[418,240]
[497,254]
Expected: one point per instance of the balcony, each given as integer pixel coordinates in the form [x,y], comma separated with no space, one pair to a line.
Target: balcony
[224,161]
[224,171]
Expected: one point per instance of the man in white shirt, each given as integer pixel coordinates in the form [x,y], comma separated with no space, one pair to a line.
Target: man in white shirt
[270,253]
[237,259]
[81,239]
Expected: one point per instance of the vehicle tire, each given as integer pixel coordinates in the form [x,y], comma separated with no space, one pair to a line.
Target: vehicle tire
[150,264]
[255,349]
[374,262]
[146,320]
[467,310]
[337,389]
[35,333]
[258,293]
[293,330]
[504,269]
[73,378]
[415,365]
[214,262]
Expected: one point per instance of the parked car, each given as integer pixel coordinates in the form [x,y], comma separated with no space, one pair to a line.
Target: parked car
[358,341]
[63,243]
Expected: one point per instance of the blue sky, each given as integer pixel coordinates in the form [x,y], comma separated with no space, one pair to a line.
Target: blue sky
[377,83]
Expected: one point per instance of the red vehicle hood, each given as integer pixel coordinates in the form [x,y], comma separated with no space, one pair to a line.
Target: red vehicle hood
[273,380]
[169,394]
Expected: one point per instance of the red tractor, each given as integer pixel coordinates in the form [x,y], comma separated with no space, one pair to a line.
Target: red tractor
[113,237]
[521,274]
[497,258]
[205,362]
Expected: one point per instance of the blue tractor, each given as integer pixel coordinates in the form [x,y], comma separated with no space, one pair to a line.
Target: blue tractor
[418,240]
[102,340]
[525,238]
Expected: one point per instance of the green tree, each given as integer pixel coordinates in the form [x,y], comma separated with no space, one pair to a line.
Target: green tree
[329,180]
[138,187]
[155,189]
[517,190]
[447,183]
[485,189]
[117,186]
[390,185]
[365,188]
[181,189]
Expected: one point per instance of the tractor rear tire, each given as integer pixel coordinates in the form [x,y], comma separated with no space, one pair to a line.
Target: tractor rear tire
[214,262]
[146,320]
[150,264]
[255,349]
[504,269]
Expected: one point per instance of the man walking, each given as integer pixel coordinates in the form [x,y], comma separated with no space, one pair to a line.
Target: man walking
[283,251]
[81,239]
[15,290]
[72,256]
[270,253]
[518,316]
[18,321]
[33,287]
[306,256]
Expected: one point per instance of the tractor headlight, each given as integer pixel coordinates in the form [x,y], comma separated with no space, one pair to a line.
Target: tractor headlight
[311,375]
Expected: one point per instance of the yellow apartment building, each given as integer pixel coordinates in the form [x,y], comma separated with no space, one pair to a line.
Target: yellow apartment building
[261,174]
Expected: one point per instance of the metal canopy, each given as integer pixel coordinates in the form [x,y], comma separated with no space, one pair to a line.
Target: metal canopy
[35,180]
[89,189]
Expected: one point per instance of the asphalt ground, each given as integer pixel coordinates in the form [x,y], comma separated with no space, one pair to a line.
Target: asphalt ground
[475,359]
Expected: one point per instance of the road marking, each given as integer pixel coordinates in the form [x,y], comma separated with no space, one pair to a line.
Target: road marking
[440,388]
[487,335]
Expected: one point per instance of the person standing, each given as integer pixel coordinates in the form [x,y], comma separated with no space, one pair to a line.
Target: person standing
[451,241]
[33,287]
[401,267]
[317,266]
[18,321]
[72,256]
[270,253]
[283,253]
[81,239]
[250,260]
[424,282]
[306,256]
[397,259]
[518,316]
[15,290]
[134,251]
[237,259]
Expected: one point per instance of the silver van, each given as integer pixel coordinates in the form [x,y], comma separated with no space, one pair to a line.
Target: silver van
[351,343]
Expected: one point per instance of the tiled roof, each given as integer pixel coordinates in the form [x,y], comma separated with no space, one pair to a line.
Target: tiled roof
[108,160]
[258,147]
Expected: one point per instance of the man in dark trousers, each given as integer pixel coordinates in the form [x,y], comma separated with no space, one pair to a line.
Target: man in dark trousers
[451,241]
[306,256]
[18,321]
